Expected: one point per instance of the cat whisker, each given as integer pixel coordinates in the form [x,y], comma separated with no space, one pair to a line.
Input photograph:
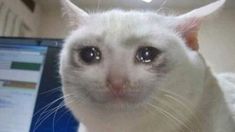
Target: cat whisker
[179,117]
[98,4]
[43,118]
[80,99]
[170,116]
[54,111]
[195,118]
[161,116]
[163,3]
[64,113]
[52,90]
[50,104]
[177,101]
[53,124]
[184,103]
[161,111]
[44,112]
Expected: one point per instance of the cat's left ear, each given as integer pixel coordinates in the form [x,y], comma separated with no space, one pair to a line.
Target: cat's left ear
[73,12]
[188,24]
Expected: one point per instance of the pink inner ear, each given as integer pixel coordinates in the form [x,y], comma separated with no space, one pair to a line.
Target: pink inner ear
[189,30]
[191,40]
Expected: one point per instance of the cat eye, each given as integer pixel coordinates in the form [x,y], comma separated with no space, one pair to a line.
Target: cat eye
[90,55]
[147,54]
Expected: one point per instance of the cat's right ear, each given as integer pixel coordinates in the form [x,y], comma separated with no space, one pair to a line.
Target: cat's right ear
[74,14]
[189,24]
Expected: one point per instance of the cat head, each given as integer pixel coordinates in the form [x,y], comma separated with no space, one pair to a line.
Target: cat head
[125,59]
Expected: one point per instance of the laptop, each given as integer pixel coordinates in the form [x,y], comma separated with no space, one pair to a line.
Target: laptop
[30,90]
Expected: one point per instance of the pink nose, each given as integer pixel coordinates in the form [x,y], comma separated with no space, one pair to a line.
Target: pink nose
[116,86]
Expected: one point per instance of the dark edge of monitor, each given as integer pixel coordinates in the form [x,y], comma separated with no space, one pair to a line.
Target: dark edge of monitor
[32,41]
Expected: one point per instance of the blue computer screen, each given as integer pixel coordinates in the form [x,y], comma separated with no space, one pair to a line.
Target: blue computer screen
[30,90]
[50,113]
[20,75]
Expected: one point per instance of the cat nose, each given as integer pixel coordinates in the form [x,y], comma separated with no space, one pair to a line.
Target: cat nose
[116,85]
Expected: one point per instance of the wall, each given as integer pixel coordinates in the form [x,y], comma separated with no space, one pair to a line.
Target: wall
[217,37]
[53,24]
[32,20]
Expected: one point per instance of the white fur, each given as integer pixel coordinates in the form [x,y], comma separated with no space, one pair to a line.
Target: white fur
[227,83]
[184,98]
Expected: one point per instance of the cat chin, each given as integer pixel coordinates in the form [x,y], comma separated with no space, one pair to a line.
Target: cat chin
[109,98]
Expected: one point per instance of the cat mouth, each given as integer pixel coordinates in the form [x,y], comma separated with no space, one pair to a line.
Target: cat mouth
[108,97]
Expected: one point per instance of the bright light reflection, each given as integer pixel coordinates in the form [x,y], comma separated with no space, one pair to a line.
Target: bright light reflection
[147,1]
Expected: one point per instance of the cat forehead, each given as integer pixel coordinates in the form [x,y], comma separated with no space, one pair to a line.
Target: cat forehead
[117,25]
[122,15]
[125,19]
[128,29]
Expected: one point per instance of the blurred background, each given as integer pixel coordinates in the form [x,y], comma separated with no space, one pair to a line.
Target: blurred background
[43,19]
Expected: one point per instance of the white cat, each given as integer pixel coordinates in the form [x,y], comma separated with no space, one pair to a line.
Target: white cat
[132,71]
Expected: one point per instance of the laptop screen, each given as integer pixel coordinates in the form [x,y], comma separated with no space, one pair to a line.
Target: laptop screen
[31,98]
[20,74]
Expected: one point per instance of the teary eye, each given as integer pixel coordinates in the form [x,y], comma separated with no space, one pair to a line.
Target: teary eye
[90,55]
[147,54]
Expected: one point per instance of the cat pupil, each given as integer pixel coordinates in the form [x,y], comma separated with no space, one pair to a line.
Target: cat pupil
[90,55]
[146,54]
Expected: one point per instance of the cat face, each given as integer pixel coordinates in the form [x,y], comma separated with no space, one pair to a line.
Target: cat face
[112,60]
[121,59]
